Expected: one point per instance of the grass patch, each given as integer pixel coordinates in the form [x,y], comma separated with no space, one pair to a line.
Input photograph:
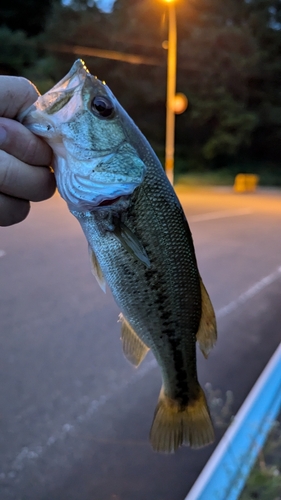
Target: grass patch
[264,482]
[269,175]
[206,179]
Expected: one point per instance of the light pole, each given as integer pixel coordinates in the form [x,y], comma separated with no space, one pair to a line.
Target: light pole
[171,91]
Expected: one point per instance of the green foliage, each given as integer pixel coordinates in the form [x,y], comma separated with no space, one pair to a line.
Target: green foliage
[140,88]
[229,66]
[17,53]
[264,486]
[197,175]
[43,73]
[28,15]
[234,129]
[264,481]
[21,56]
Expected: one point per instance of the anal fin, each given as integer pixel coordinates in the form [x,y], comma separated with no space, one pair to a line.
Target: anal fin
[207,331]
[133,347]
[96,270]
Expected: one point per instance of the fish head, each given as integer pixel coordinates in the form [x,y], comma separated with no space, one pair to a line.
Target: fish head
[94,162]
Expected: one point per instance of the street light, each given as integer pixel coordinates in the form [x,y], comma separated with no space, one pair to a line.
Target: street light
[176,103]
[171,91]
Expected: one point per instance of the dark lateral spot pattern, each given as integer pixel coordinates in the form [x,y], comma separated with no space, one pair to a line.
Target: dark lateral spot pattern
[168,333]
[163,302]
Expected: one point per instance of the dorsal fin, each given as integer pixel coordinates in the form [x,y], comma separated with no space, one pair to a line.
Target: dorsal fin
[133,347]
[207,331]
[96,270]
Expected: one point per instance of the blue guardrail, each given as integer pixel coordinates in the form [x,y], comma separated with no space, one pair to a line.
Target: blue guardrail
[226,472]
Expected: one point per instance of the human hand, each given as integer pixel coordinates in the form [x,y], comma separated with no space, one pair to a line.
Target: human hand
[24,157]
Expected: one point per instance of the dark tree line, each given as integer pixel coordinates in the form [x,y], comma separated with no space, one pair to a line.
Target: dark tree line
[28,15]
[229,66]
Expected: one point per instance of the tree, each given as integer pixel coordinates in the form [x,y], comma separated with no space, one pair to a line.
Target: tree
[28,16]
[17,53]
[220,56]
[228,66]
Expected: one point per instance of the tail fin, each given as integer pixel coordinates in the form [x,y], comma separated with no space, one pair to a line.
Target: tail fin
[173,426]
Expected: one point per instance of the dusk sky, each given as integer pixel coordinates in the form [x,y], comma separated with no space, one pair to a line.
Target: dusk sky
[105,5]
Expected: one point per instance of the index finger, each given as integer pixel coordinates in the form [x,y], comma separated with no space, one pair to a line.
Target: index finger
[16,94]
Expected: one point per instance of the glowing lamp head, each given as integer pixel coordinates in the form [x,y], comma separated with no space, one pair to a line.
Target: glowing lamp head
[180,103]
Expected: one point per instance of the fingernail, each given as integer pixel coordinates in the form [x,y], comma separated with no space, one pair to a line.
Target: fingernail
[3,135]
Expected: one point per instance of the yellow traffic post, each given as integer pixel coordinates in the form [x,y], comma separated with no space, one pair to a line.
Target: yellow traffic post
[245,183]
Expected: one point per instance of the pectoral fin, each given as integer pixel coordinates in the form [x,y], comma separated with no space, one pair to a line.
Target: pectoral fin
[129,241]
[207,332]
[133,347]
[96,270]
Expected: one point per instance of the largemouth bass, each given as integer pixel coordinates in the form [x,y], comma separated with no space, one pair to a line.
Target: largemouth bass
[139,240]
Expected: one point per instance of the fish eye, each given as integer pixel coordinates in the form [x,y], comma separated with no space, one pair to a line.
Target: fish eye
[102,106]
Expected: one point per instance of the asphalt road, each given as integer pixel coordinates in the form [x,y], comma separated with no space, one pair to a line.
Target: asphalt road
[74,415]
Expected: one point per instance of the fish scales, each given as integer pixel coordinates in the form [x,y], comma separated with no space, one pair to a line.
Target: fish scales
[140,243]
[158,304]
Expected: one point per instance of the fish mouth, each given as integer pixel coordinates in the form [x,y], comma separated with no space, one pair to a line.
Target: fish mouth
[77,74]
[38,117]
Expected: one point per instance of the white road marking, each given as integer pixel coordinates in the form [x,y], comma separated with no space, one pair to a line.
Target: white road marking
[2,253]
[31,454]
[251,292]
[220,215]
